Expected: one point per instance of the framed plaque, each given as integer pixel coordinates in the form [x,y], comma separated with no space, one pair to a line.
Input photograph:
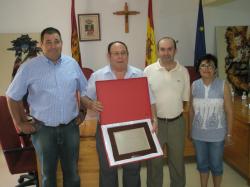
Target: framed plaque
[126,121]
[130,142]
[89,27]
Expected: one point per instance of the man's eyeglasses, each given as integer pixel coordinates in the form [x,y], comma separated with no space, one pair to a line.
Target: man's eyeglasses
[209,66]
[122,53]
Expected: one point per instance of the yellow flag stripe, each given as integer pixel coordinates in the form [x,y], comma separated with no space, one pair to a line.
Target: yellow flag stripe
[151,56]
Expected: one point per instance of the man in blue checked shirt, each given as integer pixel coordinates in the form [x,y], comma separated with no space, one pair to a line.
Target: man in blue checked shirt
[52,81]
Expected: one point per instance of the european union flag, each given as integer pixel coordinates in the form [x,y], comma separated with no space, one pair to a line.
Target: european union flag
[200,43]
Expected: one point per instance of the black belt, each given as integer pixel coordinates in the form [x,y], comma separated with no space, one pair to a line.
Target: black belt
[61,124]
[170,119]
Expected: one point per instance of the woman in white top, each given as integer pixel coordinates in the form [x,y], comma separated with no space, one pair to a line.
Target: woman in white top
[211,119]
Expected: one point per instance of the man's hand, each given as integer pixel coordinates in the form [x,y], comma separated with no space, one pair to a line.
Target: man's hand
[27,127]
[155,126]
[95,106]
[81,116]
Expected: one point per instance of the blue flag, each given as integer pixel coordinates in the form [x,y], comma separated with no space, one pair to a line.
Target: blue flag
[200,44]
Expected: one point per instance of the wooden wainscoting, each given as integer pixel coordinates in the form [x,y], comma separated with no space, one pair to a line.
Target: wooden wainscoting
[237,153]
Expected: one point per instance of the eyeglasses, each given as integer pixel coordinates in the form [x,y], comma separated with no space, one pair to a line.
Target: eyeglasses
[122,53]
[209,66]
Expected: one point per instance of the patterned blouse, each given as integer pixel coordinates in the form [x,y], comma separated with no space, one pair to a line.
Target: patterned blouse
[209,122]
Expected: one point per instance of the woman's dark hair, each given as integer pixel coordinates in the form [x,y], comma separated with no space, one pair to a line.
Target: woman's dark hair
[112,43]
[49,30]
[209,58]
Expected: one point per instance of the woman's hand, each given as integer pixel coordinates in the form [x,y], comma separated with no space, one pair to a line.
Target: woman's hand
[228,140]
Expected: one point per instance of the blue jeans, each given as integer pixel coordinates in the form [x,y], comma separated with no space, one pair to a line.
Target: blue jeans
[58,143]
[209,156]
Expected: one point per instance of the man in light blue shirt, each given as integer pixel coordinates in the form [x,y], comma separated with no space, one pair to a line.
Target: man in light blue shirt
[117,69]
[52,81]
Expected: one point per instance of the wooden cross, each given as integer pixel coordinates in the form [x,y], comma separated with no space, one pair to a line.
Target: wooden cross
[126,13]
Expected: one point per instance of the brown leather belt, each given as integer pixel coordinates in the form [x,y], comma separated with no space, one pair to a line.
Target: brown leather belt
[170,119]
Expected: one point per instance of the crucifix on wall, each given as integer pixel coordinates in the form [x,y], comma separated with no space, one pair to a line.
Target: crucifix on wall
[126,13]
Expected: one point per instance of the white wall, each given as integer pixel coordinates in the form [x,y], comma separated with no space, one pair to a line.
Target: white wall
[233,13]
[34,15]
[176,18]
[112,28]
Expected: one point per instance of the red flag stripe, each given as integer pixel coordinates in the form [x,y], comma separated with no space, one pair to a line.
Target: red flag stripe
[150,13]
[75,48]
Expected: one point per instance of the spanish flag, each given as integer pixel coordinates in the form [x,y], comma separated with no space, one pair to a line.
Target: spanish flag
[151,56]
[75,48]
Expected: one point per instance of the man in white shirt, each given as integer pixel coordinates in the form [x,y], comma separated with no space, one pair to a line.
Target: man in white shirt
[118,68]
[170,84]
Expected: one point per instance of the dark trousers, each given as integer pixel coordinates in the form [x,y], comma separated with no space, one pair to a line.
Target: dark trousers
[173,135]
[108,176]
